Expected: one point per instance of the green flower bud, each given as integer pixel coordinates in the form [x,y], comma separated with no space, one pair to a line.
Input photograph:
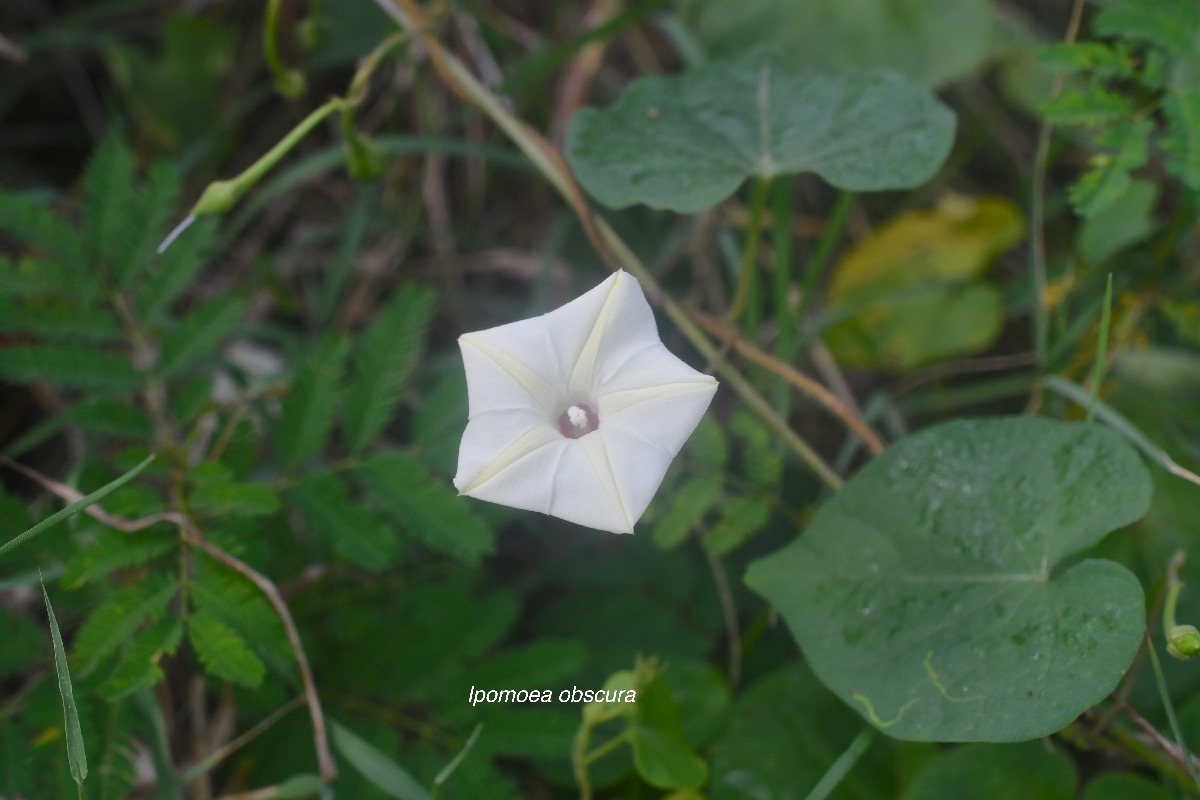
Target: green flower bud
[290,83]
[218,197]
[1183,642]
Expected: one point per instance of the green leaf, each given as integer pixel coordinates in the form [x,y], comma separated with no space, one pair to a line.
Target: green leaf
[344,524]
[76,507]
[1181,138]
[1026,771]
[303,785]
[937,592]
[787,730]
[75,750]
[138,668]
[1095,58]
[1108,178]
[115,622]
[1124,786]
[759,458]
[687,507]
[29,222]
[112,550]
[756,117]
[427,509]
[222,651]
[215,492]
[384,360]
[66,367]
[307,418]
[1169,23]
[1087,105]
[58,321]
[115,771]
[661,754]
[109,193]
[1123,224]
[110,418]
[383,773]
[200,333]
[230,597]
[741,518]
[931,41]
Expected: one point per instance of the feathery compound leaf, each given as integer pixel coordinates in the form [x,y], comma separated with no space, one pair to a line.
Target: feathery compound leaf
[66,367]
[1108,179]
[426,508]
[200,333]
[75,751]
[1181,140]
[112,551]
[222,651]
[139,668]
[34,224]
[153,207]
[117,620]
[58,321]
[386,357]
[116,770]
[109,193]
[344,524]
[230,597]
[308,409]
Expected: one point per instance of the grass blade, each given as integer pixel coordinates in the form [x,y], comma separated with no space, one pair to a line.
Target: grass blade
[76,756]
[76,507]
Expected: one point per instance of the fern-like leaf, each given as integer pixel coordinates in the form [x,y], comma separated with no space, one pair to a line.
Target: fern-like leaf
[223,652]
[58,321]
[229,597]
[109,203]
[386,357]
[345,525]
[425,508]
[740,519]
[117,620]
[115,771]
[1108,179]
[33,224]
[686,508]
[1181,141]
[200,333]
[138,667]
[154,207]
[308,409]
[112,551]
[67,367]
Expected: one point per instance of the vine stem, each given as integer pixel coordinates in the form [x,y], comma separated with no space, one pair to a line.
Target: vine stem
[607,242]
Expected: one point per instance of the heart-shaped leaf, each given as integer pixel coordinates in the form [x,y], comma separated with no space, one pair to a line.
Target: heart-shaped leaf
[936,593]
[688,142]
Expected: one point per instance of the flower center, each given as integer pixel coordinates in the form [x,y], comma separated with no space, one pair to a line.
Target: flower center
[578,420]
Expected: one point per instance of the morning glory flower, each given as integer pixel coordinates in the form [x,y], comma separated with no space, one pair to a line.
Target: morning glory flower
[579,412]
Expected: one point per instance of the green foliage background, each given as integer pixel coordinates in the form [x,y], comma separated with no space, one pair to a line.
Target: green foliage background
[289,361]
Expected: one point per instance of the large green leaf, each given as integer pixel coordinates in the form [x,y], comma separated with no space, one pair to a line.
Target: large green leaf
[937,593]
[688,142]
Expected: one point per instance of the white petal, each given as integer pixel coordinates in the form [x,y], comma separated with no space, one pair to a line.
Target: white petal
[567,478]
[500,378]
[643,438]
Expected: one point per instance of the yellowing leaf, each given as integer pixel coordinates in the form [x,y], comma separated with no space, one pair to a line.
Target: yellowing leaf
[913,291]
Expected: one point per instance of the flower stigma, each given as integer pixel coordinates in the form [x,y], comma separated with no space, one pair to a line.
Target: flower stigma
[578,420]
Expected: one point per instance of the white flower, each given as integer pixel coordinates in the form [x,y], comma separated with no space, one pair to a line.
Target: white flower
[579,412]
